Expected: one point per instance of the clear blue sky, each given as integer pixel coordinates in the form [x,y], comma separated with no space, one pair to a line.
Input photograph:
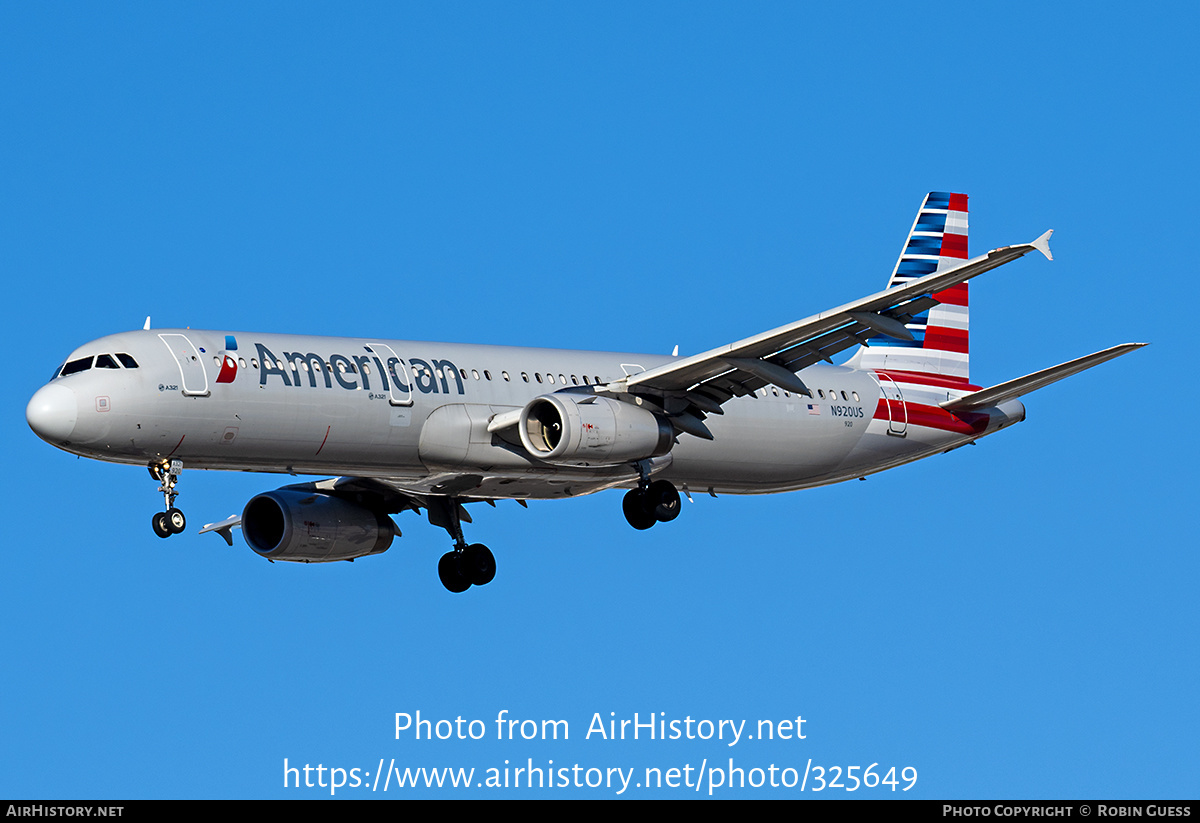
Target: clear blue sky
[1017,619]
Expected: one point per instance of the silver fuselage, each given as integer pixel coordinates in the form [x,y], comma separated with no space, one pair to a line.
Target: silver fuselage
[416,415]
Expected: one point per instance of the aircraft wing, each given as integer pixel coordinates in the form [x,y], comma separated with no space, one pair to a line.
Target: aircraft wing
[707,380]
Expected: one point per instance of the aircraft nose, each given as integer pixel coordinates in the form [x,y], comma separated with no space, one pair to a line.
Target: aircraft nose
[52,412]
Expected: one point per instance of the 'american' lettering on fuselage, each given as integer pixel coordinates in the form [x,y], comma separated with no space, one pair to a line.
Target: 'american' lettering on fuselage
[346,371]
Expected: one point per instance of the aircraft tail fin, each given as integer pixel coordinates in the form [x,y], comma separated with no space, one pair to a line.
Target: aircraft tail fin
[937,241]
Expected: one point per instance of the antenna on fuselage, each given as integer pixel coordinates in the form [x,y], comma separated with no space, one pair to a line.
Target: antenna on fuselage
[146,325]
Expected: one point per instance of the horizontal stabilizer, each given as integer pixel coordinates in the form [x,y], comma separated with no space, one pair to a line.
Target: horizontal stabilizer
[1031,382]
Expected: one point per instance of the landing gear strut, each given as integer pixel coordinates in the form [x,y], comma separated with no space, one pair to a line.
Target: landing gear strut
[171,521]
[651,503]
[464,566]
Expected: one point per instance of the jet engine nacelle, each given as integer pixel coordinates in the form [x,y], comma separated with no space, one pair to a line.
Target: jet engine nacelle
[309,527]
[589,431]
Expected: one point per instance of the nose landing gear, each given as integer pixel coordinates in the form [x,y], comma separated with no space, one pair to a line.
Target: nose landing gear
[171,521]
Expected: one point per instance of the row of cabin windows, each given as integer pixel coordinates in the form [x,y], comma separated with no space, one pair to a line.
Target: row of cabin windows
[833,394]
[537,376]
[352,368]
[107,361]
[100,361]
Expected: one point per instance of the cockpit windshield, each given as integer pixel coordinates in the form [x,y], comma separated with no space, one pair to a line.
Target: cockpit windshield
[100,361]
[76,366]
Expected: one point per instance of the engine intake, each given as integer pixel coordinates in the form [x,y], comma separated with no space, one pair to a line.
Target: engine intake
[592,431]
[309,527]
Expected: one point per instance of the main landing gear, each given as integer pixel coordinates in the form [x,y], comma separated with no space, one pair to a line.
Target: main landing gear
[651,503]
[465,566]
[171,521]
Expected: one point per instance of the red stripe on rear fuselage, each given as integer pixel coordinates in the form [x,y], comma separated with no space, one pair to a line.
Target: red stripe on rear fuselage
[944,381]
[934,417]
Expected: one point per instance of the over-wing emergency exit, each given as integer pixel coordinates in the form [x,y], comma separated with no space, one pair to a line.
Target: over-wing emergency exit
[434,427]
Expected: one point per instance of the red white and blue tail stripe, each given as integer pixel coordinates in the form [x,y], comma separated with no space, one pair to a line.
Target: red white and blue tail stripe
[936,242]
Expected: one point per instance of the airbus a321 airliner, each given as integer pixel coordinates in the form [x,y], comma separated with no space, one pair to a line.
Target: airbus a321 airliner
[434,426]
